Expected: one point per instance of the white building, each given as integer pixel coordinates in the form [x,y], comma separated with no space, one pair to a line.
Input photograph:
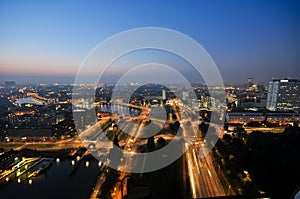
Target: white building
[164,95]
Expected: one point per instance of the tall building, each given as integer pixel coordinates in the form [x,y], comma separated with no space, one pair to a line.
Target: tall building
[164,95]
[284,95]
[185,95]
[250,81]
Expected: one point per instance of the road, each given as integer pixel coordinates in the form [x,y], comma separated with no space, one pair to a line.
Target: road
[204,180]
[67,143]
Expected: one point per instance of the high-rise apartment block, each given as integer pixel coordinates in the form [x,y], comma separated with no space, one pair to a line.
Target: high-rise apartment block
[284,95]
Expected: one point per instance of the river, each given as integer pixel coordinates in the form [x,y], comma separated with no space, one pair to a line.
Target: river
[55,182]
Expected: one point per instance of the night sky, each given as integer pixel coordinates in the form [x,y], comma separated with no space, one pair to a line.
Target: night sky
[46,41]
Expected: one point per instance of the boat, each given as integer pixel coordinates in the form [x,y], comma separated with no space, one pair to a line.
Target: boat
[46,163]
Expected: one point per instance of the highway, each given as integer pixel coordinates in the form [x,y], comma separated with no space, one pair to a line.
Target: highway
[203,177]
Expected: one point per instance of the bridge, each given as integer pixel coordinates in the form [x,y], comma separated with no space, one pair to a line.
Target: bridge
[38,98]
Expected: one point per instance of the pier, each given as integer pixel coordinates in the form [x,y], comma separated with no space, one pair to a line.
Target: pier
[79,156]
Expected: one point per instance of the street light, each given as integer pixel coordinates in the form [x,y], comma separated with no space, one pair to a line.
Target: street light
[229,187]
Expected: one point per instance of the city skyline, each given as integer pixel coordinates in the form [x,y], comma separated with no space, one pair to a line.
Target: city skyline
[61,136]
[48,42]
[100,99]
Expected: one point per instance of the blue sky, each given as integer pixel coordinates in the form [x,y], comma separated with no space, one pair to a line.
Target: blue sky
[50,39]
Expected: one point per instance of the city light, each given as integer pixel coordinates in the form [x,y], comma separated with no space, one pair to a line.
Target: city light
[90,108]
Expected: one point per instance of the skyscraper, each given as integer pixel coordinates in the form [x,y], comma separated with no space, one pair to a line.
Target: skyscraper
[250,81]
[284,95]
[164,95]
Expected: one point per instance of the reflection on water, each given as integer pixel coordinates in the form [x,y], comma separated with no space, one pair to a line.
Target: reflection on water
[54,183]
[120,109]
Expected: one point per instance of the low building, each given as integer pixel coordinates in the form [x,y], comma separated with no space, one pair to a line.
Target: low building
[244,117]
[33,134]
[274,117]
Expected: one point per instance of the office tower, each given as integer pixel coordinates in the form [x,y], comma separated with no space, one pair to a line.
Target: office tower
[284,95]
[185,95]
[164,95]
[250,81]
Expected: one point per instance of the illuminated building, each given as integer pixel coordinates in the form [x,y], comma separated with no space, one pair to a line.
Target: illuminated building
[185,95]
[284,95]
[164,95]
[79,118]
[273,117]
